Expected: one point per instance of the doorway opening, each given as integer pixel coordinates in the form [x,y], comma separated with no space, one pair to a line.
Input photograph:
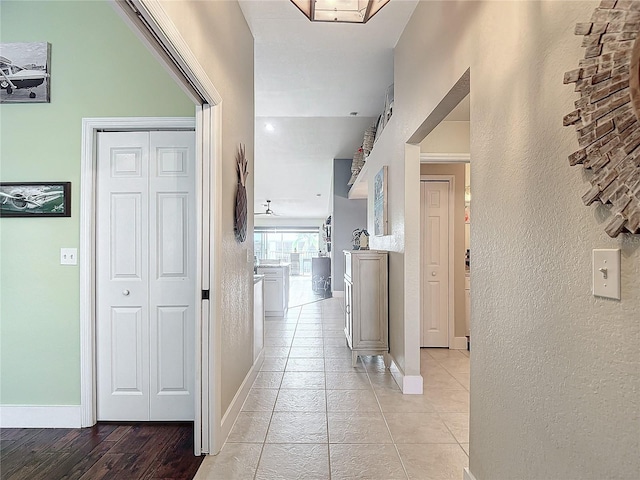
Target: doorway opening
[298,247]
[445,157]
[443,147]
[129,165]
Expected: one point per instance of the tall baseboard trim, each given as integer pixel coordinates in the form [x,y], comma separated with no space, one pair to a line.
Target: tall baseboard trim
[459,343]
[40,416]
[412,385]
[230,416]
[468,475]
[409,384]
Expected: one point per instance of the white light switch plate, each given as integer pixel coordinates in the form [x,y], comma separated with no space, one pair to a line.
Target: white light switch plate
[68,256]
[606,273]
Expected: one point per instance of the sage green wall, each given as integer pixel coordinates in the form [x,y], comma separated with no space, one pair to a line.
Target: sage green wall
[99,69]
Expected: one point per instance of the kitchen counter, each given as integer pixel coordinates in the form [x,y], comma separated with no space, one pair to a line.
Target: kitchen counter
[276,288]
[258,316]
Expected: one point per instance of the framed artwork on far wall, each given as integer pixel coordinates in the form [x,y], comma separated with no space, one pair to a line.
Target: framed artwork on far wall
[25,75]
[35,199]
[380,203]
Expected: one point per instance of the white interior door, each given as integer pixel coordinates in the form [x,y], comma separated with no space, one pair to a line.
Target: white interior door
[145,280]
[434,196]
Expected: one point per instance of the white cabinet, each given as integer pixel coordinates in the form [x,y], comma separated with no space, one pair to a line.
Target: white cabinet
[272,294]
[258,316]
[276,289]
[348,319]
[366,294]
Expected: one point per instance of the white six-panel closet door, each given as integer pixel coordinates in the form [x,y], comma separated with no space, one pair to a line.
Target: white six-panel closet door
[145,276]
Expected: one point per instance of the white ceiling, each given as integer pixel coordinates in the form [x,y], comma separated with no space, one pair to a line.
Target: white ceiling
[309,77]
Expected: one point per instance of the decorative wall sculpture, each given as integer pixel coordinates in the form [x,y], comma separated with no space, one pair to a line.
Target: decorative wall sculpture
[240,214]
[607,114]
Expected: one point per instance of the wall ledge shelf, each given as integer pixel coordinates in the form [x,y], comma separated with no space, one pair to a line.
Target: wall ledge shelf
[360,188]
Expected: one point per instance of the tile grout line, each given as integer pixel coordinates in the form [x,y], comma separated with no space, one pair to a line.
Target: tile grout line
[384,418]
[264,442]
[326,397]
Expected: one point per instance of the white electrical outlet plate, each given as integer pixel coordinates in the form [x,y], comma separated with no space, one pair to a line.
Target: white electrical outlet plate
[606,273]
[68,256]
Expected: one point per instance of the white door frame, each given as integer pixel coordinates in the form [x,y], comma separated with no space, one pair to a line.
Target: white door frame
[87,261]
[450,293]
[207,124]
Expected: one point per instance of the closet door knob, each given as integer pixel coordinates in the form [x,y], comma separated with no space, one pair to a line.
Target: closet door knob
[126,293]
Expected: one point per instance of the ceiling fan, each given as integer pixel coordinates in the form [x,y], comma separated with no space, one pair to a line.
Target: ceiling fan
[268,211]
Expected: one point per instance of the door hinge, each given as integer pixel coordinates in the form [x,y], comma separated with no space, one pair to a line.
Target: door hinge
[205,294]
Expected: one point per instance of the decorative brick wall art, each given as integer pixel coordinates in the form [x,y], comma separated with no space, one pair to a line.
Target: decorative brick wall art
[607,114]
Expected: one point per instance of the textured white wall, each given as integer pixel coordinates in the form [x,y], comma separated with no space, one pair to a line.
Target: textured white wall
[218,35]
[448,137]
[389,150]
[555,372]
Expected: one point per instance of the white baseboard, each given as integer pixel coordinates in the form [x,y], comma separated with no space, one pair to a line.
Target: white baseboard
[230,416]
[409,384]
[40,416]
[396,372]
[459,343]
[338,293]
[468,475]
[412,385]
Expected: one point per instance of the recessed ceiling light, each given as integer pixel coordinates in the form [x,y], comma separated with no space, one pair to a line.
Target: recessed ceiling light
[353,114]
[269,127]
[318,194]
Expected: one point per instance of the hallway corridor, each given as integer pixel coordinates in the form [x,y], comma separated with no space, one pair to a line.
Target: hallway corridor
[310,415]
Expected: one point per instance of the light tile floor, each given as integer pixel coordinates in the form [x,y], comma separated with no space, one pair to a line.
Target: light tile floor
[310,415]
[301,291]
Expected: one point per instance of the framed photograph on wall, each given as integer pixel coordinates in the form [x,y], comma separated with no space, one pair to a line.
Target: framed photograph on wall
[25,72]
[35,199]
[380,203]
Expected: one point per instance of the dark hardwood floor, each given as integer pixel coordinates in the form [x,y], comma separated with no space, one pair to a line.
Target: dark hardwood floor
[106,451]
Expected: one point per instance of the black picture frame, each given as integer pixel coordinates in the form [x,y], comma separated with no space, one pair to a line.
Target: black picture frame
[35,199]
